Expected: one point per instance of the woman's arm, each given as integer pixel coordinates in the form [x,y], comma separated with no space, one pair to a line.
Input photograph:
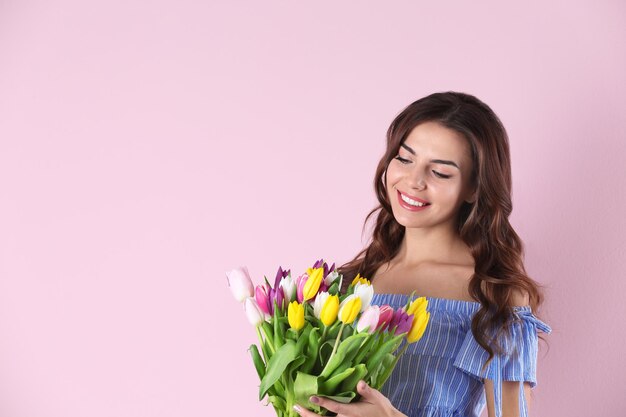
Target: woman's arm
[510,398]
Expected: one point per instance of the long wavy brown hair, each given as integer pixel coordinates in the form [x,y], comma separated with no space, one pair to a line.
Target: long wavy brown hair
[483,225]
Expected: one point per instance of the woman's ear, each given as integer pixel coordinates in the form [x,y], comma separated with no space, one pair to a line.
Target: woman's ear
[472,198]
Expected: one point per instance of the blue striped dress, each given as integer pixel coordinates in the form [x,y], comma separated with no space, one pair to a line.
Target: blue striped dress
[440,375]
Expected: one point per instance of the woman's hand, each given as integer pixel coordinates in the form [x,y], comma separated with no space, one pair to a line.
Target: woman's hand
[372,404]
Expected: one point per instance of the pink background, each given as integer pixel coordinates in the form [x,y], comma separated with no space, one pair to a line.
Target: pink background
[146,147]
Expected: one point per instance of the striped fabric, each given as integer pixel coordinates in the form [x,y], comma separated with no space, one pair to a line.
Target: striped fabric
[441,375]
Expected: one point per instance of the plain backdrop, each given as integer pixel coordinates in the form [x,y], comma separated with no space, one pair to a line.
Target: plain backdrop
[147,147]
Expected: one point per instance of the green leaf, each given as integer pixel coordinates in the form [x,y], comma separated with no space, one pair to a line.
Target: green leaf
[312,351]
[325,350]
[386,368]
[344,397]
[387,347]
[279,337]
[366,348]
[259,365]
[330,386]
[345,349]
[277,402]
[293,367]
[304,386]
[277,365]
[349,384]
[278,388]
[303,337]
[267,353]
[269,332]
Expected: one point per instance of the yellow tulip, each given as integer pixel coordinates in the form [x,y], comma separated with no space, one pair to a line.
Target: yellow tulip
[418,327]
[312,284]
[350,308]
[360,279]
[295,315]
[330,310]
[417,306]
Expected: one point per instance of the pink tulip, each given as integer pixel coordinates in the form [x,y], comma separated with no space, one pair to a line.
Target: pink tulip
[369,319]
[300,281]
[262,297]
[386,314]
[240,283]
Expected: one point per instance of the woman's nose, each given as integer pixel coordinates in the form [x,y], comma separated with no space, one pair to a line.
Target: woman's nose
[417,182]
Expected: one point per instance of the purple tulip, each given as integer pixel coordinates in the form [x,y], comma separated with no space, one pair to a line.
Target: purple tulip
[401,321]
[277,295]
[280,274]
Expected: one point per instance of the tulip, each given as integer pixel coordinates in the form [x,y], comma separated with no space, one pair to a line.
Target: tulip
[280,274]
[240,283]
[360,279]
[330,278]
[300,281]
[320,263]
[349,309]
[401,321]
[369,319]
[263,299]
[253,312]
[418,327]
[417,306]
[312,284]
[386,314]
[365,292]
[295,315]
[277,297]
[330,309]
[289,288]
[319,303]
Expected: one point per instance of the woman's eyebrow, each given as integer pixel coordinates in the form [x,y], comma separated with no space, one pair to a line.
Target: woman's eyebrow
[436,161]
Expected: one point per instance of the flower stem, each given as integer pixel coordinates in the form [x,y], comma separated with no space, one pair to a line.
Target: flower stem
[267,339]
[337,341]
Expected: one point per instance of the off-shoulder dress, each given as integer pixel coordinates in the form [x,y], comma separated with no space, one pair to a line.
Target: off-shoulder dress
[440,375]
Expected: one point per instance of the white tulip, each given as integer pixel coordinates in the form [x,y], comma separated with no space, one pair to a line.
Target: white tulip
[253,311]
[240,283]
[288,285]
[319,303]
[366,292]
[330,278]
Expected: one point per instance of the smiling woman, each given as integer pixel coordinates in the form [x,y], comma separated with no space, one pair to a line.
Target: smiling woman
[442,230]
[421,177]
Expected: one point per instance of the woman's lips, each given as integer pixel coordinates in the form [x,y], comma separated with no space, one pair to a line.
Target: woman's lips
[409,206]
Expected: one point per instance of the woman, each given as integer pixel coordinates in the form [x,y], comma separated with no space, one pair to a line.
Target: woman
[442,230]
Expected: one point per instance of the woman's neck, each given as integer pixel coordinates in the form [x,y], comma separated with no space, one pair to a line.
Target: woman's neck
[443,246]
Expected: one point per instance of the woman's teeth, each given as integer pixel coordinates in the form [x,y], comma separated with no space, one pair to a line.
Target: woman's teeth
[412,202]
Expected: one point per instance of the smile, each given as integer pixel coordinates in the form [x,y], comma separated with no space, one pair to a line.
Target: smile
[410,203]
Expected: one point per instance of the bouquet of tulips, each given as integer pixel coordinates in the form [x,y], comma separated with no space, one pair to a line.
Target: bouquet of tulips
[316,340]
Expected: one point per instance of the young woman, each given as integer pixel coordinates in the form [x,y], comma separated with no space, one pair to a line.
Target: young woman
[442,230]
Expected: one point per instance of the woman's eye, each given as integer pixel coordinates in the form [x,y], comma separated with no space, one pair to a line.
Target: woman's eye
[401,159]
[440,175]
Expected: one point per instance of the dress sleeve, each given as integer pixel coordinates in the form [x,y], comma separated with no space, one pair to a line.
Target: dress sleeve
[518,363]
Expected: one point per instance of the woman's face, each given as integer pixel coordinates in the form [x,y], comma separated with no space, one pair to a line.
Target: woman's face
[433,165]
